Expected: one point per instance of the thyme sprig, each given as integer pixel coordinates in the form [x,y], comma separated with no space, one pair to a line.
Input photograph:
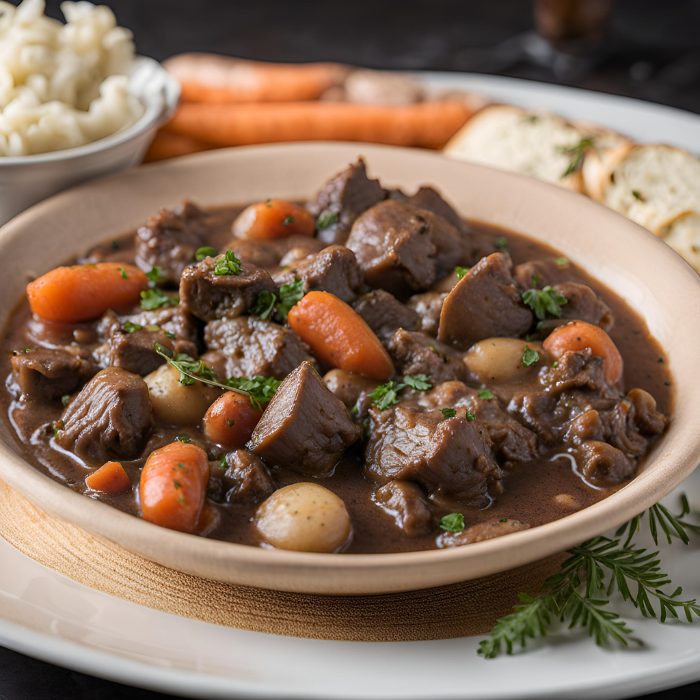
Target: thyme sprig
[577,595]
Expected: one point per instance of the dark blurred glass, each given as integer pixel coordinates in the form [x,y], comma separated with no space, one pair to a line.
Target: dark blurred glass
[568,24]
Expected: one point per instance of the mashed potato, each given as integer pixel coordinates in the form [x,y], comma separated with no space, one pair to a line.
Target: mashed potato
[62,85]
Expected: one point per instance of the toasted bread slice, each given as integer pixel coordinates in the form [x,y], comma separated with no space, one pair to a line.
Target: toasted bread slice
[652,185]
[532,143]
[682,233]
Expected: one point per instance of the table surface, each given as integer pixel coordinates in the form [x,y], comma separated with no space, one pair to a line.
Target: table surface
[651,52]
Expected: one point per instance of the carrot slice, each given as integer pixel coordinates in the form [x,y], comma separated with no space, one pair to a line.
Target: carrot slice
[173,486]
[339,337]
[273,219]
[110,478]
[578,335]
[84,292]
[230,420]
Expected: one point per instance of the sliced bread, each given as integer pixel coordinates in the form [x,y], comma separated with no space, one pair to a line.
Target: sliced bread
[683,235]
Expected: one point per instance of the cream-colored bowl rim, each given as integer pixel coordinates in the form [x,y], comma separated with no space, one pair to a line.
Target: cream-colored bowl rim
[631,261]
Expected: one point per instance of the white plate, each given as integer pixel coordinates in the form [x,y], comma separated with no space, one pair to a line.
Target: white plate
[53,618]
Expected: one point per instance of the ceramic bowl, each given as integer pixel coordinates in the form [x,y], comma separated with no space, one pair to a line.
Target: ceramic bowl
[632,262]
[25,180]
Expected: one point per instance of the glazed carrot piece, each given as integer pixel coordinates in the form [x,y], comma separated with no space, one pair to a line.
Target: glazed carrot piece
[166,145]
[173,486]
[230,420]
[425,124]
[339,337]
[274,218]
[84,292]
[210,78]
[578,335]
[110,478]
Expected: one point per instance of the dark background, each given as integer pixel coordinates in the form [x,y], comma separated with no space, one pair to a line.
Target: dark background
[652,51]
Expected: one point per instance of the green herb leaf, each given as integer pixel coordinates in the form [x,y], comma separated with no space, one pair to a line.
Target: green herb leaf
[264,304]
[530,357]
[130,327]
[222,463]
[638,196]
[227,265]
[326,219]
[288,220]
[470,416]
[123,272]
[454,522]
[485,394]
[170,335]
[154,276]
[289,295]
[204,252]
[501,244]
[260,389]
[461,271]
[448,412]
[419,382]
[562,261]
[546,303]
[183,438]
[153,299]
[577,151]
[65,399]
[384,395]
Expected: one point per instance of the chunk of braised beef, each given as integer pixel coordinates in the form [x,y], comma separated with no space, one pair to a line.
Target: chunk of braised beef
[406,504]
[209,296]
[429,307]
[583,304]
[333,270]
[481,532]
[539,273]
[485,303]
[171,319]
[394,247]
[305,427]
[579,369]
[170,240]
[45,374]
[246,479]
[343,198]
[604,464]
[252,346]
[385,314]
[430,199]
[449,456]
[110,418]
[352,389]
[511,440]
[414,352]
[272,253]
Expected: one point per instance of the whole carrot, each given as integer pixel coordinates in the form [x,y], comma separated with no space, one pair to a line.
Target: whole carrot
[84,292]
[173,486]
[166,145]
[339,337]
[427,124]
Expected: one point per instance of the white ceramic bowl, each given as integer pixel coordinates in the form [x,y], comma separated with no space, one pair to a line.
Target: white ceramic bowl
[634,264]
[26,180]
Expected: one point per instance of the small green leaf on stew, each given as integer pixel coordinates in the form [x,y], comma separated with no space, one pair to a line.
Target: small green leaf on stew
[228,265]
[555,364]
[290,294]
[419,382]
[123,272]
[544,302]
[155,299]
[461,271]
[183,438]
[326,218]
[485,394]
[229,422]
[222,463]
[130,327]
[530,356]
[385,395]
[65,399]
[448,412]
[154,275]
[454,522]
[288,220]
[261,389]
[501,244]
[562,261]
[170,335]
[264,304]
[470,415]
[205,252]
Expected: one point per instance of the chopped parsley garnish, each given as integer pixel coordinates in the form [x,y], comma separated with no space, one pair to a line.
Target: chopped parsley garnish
[530,356]
[183,438]
[531,118]
[448,412]
[503,520]
[260,389]
[501,244]
[454,522]
[154,275]
[461,271]
[116,245]
[354,410]
[204,252]
[562,261]
[123,273]
[177,484]
[229,422]
[470,416]
[555,364]
[264,304]
[485,394]
[65,399]
[385,395]
[190,369]
[638,196]
[153,299]
[577,152]
[288,220]
[228,265]
[546,303]
[130,327]
[222,463]
[326,218]
[170,335]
